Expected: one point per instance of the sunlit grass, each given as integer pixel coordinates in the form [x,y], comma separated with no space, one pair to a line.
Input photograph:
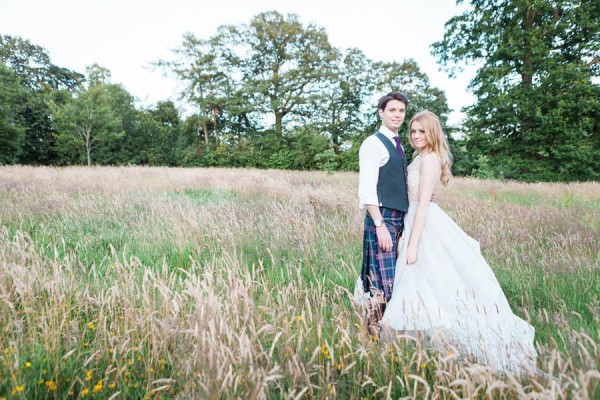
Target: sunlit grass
[220,283]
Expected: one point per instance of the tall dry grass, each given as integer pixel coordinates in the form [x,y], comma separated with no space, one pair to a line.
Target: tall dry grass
[220,283]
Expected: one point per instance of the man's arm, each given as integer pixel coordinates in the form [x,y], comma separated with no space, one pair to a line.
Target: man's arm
[369,164]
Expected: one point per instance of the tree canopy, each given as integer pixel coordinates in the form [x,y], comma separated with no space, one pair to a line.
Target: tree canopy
[275,93]
[537,115]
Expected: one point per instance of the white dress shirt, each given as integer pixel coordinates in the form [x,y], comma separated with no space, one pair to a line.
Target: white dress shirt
[372,155]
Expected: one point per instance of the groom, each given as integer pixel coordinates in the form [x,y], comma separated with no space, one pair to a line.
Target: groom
[382,191]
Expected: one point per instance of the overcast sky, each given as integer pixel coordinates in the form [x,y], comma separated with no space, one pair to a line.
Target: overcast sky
[125,35]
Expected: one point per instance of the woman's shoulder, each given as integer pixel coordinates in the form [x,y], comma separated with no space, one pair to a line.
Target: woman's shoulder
[430,158]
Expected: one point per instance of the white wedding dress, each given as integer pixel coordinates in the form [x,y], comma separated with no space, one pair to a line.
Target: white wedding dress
[451,295]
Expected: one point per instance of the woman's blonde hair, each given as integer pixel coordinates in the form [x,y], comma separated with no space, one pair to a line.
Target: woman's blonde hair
[436,141]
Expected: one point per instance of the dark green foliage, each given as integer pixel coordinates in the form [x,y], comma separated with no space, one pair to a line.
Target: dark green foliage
[12,96]
[538,111]
[273,93]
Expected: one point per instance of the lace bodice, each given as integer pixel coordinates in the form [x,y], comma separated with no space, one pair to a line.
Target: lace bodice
[412,180]
[413,177]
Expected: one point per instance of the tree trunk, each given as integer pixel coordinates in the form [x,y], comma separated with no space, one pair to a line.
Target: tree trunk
[214,110]
[204,125]
[278,119]
[88,146]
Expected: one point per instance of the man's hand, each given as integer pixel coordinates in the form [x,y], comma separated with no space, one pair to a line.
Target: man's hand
[384,239]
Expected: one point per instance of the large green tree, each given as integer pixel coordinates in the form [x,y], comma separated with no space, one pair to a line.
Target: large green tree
[280,63]
[12,127]
[537,115]
[39,76]
[86,121]
[207,82]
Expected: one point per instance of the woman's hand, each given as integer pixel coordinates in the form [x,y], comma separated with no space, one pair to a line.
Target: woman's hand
[411,253]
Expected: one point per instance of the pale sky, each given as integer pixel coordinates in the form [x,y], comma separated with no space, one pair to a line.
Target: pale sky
[126,35]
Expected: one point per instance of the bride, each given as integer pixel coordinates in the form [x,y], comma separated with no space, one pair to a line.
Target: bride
[443,286]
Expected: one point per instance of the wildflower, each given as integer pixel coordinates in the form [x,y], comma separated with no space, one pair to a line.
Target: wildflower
[325,351]
[88,375]
[27,364]
[98,386]
[51,386]
[423,365]
[85,392]
[85,344]
[41,381]
[20,388]
[91,326]
[44,371]
[299,318]
[112,385]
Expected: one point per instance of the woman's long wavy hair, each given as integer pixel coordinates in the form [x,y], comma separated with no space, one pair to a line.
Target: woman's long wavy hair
[436,141]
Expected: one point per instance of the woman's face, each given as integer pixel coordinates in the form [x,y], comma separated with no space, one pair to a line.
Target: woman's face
[417,136]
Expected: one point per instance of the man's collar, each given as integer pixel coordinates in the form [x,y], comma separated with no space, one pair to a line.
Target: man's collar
[387,132]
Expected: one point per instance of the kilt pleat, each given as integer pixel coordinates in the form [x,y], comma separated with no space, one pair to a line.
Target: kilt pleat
[378,266]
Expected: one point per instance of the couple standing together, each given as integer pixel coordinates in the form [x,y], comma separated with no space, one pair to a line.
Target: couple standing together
[421,274]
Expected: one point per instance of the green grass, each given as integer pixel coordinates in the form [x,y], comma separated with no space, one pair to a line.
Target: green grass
[196,287]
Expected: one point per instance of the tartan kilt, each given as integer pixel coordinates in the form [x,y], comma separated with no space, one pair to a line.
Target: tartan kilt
[379,267]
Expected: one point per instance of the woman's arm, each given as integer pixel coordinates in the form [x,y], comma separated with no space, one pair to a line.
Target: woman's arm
[429,177]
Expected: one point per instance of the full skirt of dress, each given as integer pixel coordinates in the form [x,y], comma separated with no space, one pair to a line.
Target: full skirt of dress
[451,294]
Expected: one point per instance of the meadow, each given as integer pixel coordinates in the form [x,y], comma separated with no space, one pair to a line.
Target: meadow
[135,282]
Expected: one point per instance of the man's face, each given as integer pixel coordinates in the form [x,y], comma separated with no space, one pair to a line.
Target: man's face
[393,115]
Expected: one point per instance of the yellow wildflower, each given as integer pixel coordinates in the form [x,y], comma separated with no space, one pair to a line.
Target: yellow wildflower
[85,392]
[99,386]
[51,386]
[20,388]
[299,318]
[423,365]
[112,385]
[91,326]
[27,364]
[88,375]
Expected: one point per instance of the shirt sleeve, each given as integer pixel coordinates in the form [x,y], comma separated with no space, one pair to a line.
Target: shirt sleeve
[369,161]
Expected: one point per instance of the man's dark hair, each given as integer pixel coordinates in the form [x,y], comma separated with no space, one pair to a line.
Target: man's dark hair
[392,96]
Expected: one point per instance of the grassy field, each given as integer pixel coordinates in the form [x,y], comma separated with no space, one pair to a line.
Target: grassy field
[166,283]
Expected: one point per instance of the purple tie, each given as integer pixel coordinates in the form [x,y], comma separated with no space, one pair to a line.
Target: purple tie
[398,146]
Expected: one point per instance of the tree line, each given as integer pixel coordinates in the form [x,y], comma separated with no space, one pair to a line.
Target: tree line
[274,93]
